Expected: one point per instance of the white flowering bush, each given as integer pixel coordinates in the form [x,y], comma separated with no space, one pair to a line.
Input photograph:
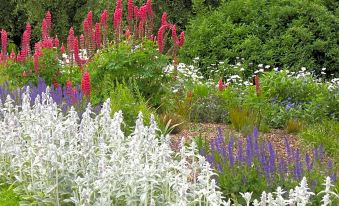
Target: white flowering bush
[185,75]
[58,159]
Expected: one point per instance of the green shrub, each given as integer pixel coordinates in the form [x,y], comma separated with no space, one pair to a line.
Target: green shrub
[130,102]
[209,109]
[301,98]
[143,64]
[289,34]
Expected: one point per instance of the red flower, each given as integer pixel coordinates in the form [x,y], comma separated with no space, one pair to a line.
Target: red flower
[4,43]
[130,11]
[56,84]
[26,42]
[70,40]
[12,56]
[44,29]
[220,85]
[127,34]
[257,84]
[82,41]
[86,84]
[164,19]
[143,13]
[98,35]
[29,29]
[149,9]
[38,49]
[136,13]
[160,37]
[62,49]
[86,26]
[90,20]
[181,39]
[56,42]
[117,19]
[79,61]
[69,87]
[118,5]
[104,17]
[48,18]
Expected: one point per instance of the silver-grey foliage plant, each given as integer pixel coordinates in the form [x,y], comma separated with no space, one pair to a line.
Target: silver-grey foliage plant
[57,159]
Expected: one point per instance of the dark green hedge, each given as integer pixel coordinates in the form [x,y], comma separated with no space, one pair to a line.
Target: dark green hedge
[286,33]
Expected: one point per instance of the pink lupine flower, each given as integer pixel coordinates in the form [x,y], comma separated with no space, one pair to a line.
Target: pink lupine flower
[12,56]
[164,19]
[90,20]
[104,17]
[149,9]
[55,83]
[70,40]
[181,39]
[127,34]
[29,33]
[48,18]
[20,57]
[130,11]
[118,5]
[38,49]
[220,85]
[82,41]
[62,49]
[136,13]
[161,42]
[174,34]
[98,35]
[44,29]
[29,29]
[56,42]
[86,84]
[117,20]
[79,61]
[69,87]
[143,13]
[141,29]
[4,44]
[25,42]
[48,43]
[86,26]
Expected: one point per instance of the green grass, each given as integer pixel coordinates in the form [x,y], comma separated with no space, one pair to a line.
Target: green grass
[8,197]
[325,133]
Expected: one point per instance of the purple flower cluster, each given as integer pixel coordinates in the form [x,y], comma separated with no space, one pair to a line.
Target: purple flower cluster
[63,96]
[261,157]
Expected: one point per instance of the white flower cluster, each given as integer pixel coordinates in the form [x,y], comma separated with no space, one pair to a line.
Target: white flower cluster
[56,159]
[66,60]
[185,74]
[300,196]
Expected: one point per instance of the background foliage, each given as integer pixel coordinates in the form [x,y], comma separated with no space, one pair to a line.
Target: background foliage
[289,34]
